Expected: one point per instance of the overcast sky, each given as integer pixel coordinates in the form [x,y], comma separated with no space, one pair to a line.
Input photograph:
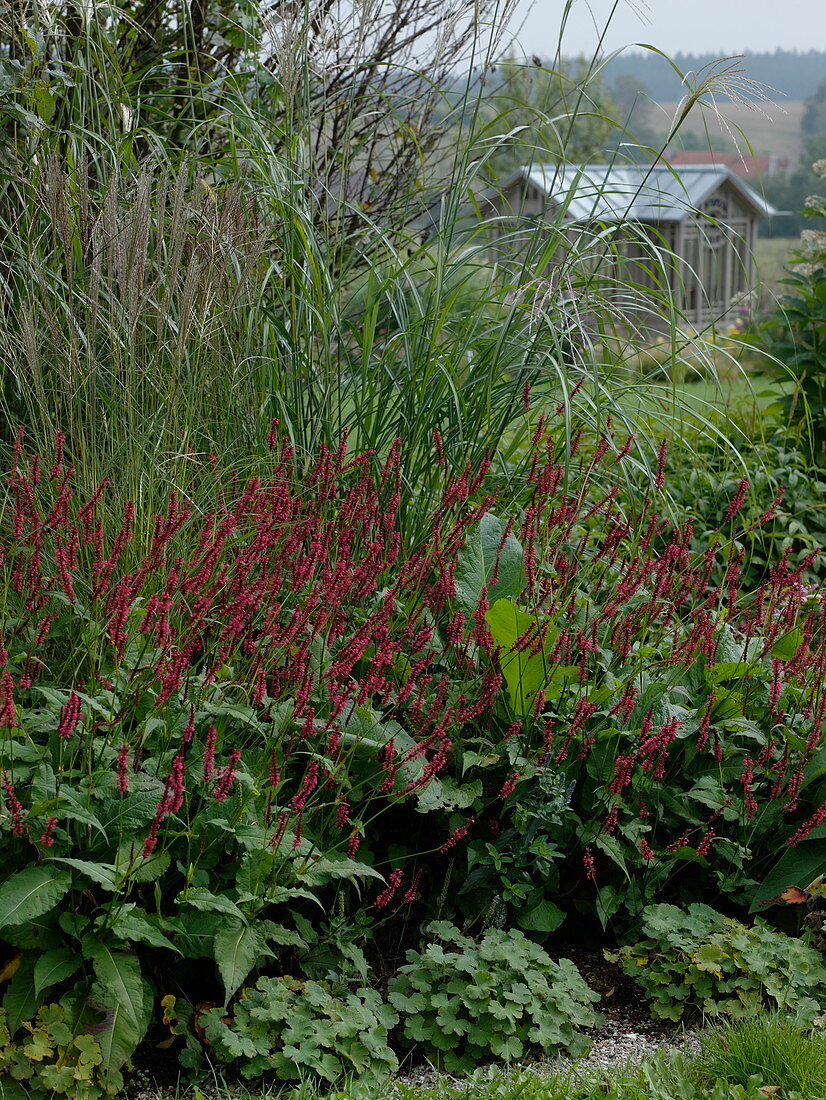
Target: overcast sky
[691,26]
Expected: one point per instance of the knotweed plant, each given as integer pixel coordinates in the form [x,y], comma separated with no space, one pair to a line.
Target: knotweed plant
[282,708]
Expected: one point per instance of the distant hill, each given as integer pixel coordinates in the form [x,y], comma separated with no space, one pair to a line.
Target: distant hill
[773,128]
[793,73]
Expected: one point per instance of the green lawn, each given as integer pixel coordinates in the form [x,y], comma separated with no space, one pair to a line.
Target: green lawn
[771,254]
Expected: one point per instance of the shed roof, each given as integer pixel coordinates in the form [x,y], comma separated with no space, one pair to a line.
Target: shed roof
[606,192]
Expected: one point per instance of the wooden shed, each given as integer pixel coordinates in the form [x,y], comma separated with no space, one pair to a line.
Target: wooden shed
[705,215]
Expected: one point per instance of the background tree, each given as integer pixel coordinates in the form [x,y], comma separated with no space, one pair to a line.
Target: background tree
[357,123]
[536,113]
[813,121]
[790,192]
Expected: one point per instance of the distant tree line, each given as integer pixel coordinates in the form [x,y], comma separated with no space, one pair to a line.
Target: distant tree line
[793,73]
[790,192]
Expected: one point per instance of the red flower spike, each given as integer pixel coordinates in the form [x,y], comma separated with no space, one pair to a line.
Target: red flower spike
[13,805]
[70,715]
[47,837]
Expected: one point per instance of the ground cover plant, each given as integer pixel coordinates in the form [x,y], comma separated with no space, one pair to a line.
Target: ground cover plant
[463,1001]
[699,960]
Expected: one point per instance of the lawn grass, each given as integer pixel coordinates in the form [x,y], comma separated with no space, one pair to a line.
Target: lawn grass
[771,254]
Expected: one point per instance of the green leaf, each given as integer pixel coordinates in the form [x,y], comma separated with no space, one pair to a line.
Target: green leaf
[785,648]
[444,794]
[21,1001]
[708,958]
[728,670]
[524,672]
[13,1090]
[237,946]
[611,846]
[102,873]
[201,898]
[476,564]
[544,917]
[75,811]
[729,705]
[194,933]
[132,925]
[31,892]
[130,812]
[120,994]
[320,870]
[55,966]
[141,870]
[273,933]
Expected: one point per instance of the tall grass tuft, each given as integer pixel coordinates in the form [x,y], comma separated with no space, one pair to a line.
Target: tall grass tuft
[775,1048]
[203,237]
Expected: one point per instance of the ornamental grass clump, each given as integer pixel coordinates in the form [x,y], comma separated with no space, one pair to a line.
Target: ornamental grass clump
[789,1058]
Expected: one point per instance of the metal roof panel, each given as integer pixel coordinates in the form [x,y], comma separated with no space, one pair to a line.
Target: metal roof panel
[605,192]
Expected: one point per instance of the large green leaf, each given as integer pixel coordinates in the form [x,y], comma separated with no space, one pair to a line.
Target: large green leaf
[102,873]
[32,892]
[133,925]
[194,933]
[444,794]
[21,1001]
[74,809]
[120,993]
[237,946]
[322,870]
[201,898]
[796,867]
[785,648]
[129,812]
[54,966]
[542,917]
[524,672]
[476,564]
